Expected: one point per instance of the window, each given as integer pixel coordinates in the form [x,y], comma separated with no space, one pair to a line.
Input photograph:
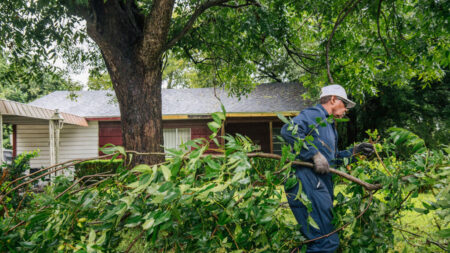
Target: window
[277,143]
[173,137]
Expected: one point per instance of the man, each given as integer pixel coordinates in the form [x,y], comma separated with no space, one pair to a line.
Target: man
[317,183]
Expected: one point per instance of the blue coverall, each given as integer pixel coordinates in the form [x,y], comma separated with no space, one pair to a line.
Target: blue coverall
[318,187]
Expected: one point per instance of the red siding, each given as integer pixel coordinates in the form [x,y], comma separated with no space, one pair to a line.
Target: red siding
[258,130]
[200,131]
[109,132]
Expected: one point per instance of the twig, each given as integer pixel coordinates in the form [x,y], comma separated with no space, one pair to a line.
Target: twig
[248,3]
[232,237]
[378,29]
[82,178]
[77,161]
[17,225]
[5,210]
[403,201]
[148,153]
[18,207]
[134,241]
[214,231]
[23,222]
[344,226]
[379,158]
[350,5]
[417,235]
[202,8]
[90,186]
[68,163]
[229,232]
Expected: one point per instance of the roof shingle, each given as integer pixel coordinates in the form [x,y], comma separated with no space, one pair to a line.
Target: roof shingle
[274,97]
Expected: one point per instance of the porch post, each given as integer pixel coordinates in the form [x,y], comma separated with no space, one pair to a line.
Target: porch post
[271,136]
[54,127]
[1,139]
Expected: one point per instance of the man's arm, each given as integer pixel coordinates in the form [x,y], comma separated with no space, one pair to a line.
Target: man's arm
[303,130]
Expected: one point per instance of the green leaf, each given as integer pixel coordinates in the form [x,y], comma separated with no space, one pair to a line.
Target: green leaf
[213,126]
[142,168]
[312,222]
[444,233]
[92,236]
[148,224]
[218,117]
[284,119]
[166,172]
[290,182]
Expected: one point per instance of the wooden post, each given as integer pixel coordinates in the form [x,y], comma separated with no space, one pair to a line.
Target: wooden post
[222,133]
[271,137]
[51,134]
[1,139]
[54,127]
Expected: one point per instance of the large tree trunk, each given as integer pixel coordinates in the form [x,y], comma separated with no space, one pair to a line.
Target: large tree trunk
[132,49]
[138,91]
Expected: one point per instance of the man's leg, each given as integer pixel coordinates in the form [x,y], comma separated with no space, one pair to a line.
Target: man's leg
[318,194]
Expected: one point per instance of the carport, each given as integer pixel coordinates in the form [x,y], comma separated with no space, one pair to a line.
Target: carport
[16,113]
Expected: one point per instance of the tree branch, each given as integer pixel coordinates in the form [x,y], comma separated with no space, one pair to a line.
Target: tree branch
[202,8]
[248,3]
[134,241]
[291,55]
[378,29]
[74,8]
[417,235]
[269,74]
[349,6]
[156,29]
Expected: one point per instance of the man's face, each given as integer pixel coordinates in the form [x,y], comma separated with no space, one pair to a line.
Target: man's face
[338,108]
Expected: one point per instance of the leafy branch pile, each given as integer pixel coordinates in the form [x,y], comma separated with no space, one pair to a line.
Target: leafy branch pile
[196,201]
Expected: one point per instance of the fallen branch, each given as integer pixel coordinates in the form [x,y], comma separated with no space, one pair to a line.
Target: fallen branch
[103,174]
[417,235]
[341,228]
[73,161]
[67,164]
[134,241]
[366,185]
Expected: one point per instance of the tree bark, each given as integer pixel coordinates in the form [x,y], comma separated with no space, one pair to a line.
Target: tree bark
[134,62]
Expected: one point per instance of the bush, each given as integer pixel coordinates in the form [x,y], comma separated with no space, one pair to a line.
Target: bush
[265,164]
[12,171]
[98,166]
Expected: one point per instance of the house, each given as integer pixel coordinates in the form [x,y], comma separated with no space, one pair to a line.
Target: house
[185,116]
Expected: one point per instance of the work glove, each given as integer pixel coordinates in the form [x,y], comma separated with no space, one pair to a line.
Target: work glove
[321,165]
[364,148]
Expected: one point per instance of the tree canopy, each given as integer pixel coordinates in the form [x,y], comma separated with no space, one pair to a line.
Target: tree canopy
[24,84]
[360,44]
[244,42]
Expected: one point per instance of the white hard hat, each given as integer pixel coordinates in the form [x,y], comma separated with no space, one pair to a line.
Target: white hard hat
[336,90]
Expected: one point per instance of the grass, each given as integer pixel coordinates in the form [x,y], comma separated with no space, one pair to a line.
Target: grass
[423,225]
[420,224]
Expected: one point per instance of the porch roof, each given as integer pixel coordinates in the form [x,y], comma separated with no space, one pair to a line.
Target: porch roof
[15,112]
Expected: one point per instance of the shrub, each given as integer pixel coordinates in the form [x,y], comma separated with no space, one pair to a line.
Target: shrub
[98,166]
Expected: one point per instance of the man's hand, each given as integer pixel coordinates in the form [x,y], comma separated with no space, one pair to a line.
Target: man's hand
[321,165]
[364,148]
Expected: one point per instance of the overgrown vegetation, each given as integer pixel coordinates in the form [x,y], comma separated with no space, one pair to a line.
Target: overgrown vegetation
[97,166]
[197,202]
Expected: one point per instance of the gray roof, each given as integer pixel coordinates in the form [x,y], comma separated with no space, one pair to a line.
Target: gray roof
[274,97]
